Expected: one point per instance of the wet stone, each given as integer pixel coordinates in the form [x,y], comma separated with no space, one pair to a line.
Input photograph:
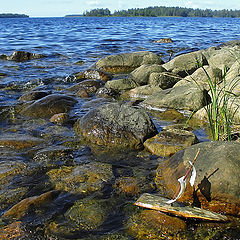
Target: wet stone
[91,86]
[34,95]
[84,179]
[19,141]
[88,214]
[94,74]
[151,224]
[116,125]
[12,231]
[54,156]
[170,140]
[23,208]
[59,118]
[21,56]
[49,105]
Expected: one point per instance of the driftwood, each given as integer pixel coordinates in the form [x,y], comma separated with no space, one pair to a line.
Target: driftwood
[156,202]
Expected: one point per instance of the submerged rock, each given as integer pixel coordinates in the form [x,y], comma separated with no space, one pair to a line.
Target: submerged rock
[88,214]
[163,40]
[116,125]
[127,62]
[151,224]
[170,140]
[21,56]
[33,95]
[19,141]
[49,105]
[84,179]
[216,185]
[22,209]
[12,231]
[59,118]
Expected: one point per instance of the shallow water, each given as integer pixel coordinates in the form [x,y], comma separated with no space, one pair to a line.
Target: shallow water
[66,41]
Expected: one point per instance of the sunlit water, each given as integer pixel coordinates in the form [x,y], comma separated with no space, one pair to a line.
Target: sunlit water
[66,41]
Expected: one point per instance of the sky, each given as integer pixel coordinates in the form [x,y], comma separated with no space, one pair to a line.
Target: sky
[60,8]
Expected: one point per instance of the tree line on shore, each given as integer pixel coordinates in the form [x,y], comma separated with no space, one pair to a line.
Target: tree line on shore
[13,15]
[162,11]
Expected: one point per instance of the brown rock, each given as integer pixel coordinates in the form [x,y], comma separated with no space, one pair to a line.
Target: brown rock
[21,209]
[216,185]
[151,224]
[170,140]
[49,105]
[127,185]
[18,141]
[59,118]
[12,231]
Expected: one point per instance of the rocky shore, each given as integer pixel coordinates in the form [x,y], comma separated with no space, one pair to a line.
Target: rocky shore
[74,158]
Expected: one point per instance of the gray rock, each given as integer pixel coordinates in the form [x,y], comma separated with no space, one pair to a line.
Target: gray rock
[163,80]
[127,62]
[222,57]
[49,105]
[116,125]
[141,75]
[143,92]
[121,84]
[186,64]
[200,77]
[181,98]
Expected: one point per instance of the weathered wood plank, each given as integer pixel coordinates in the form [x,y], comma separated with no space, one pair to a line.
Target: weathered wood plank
[157,202]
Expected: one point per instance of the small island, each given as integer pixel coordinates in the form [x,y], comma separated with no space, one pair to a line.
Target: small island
[160,12]
[13,15]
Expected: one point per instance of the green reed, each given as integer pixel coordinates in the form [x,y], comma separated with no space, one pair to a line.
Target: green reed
[220,112]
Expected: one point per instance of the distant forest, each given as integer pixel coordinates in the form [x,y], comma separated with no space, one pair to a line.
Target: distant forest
[13,15]
[163,12]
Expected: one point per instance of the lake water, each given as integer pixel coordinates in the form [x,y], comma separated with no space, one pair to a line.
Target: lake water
[66,41]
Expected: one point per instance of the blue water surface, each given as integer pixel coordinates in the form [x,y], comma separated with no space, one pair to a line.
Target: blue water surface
[67,40]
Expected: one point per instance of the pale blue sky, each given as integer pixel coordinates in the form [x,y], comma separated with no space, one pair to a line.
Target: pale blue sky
[58,8]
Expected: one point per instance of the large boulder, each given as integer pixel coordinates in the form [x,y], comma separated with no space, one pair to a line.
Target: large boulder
[222,57]
[217,180]
[49,105]
[116,125]
[180,98]
[233,79]
[127,62]
[232,110]
[186,64]
[200,77]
